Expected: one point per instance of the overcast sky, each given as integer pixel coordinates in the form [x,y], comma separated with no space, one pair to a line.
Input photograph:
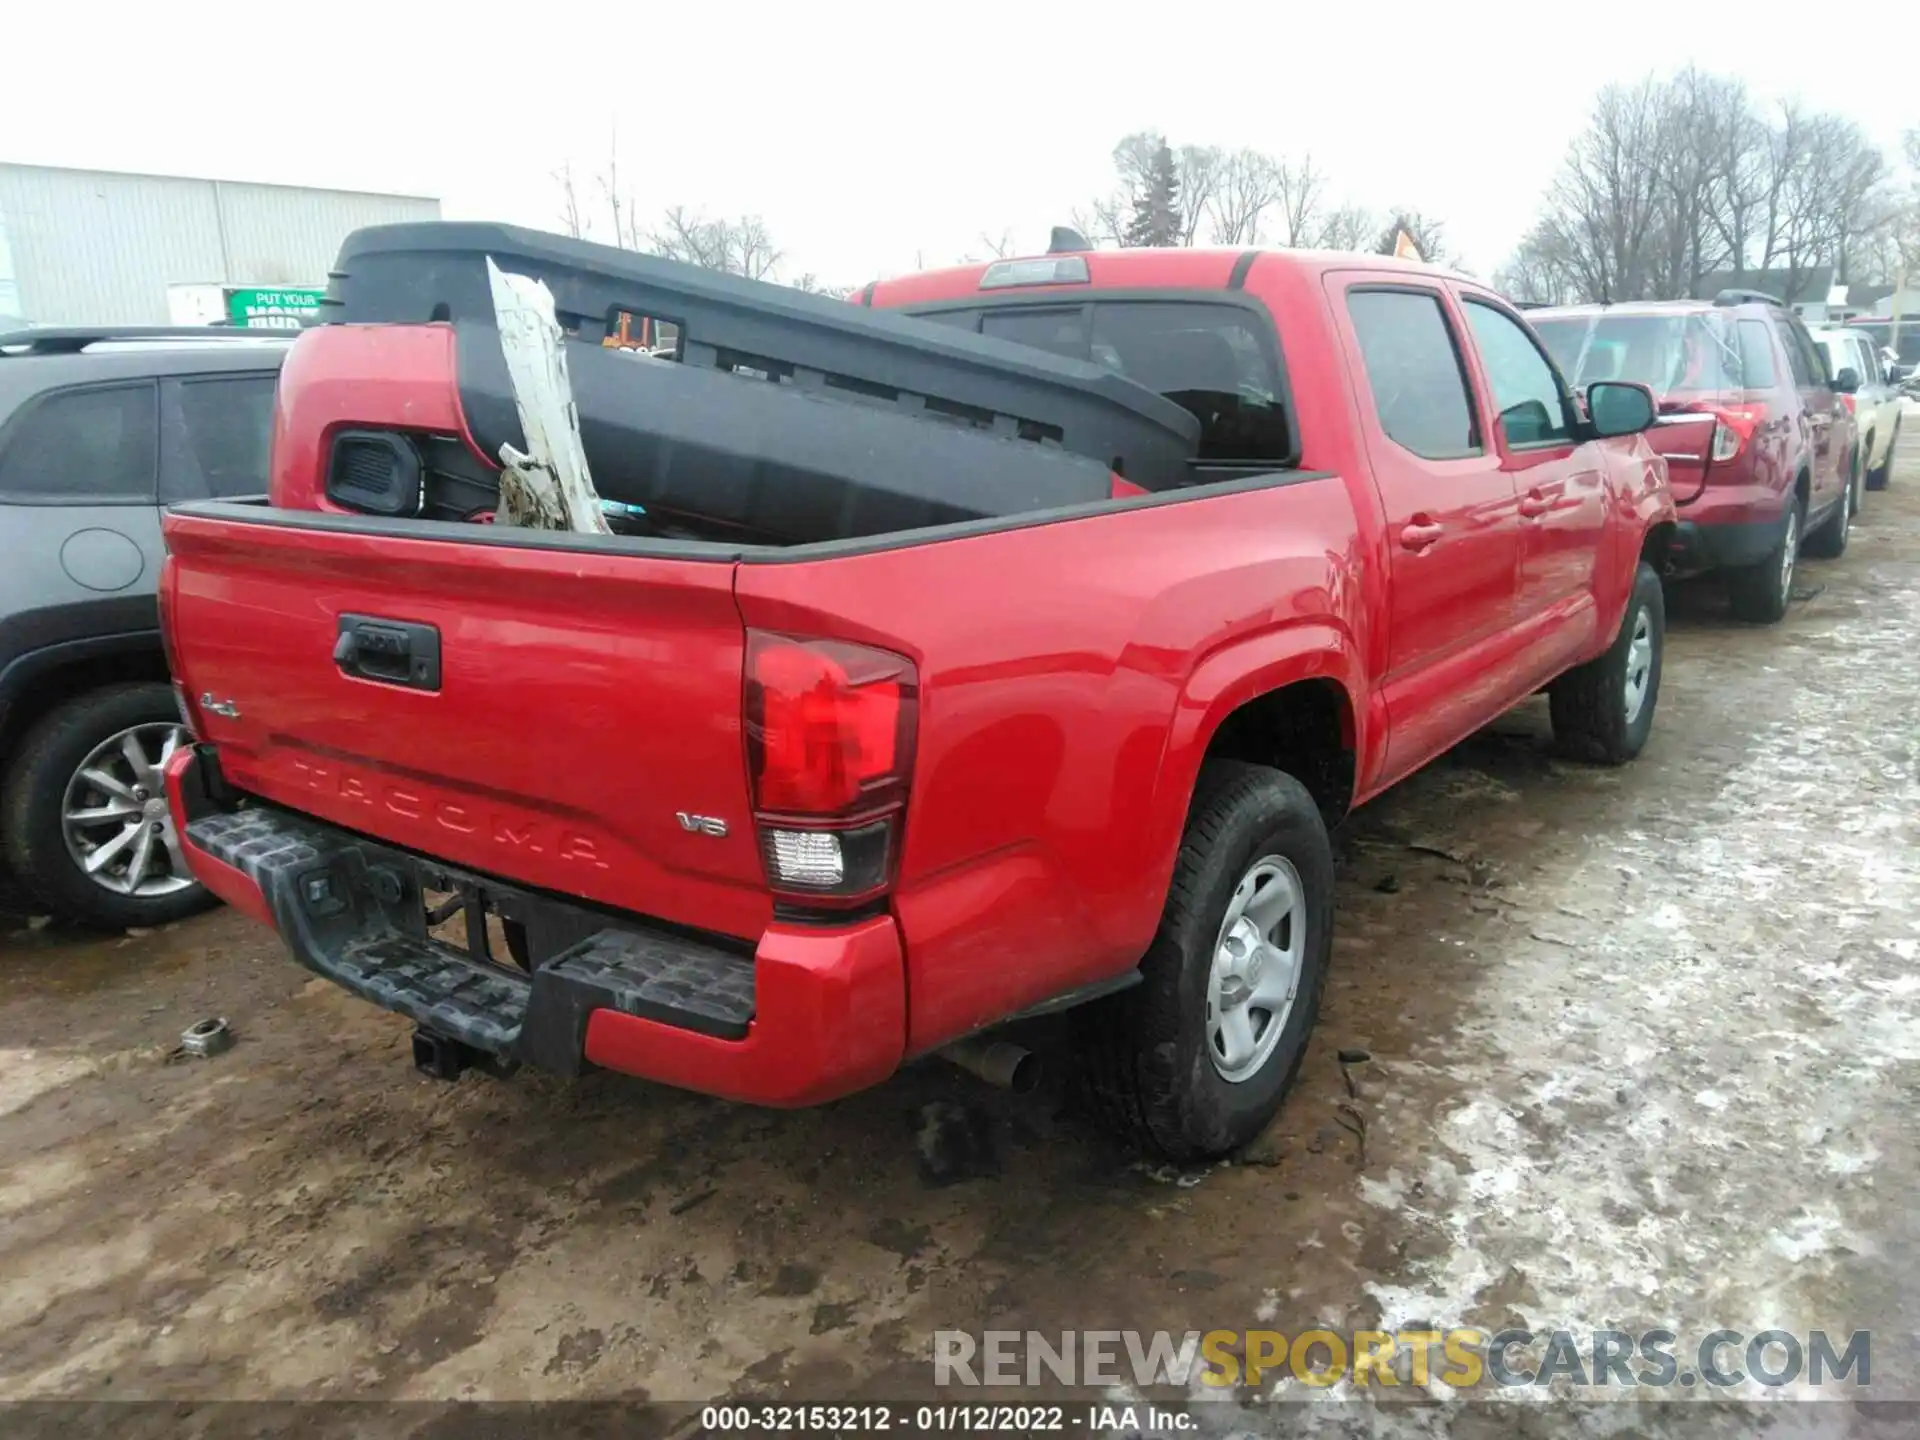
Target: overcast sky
[876,137]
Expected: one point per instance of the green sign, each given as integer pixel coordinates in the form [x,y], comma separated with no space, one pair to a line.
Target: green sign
[281,309]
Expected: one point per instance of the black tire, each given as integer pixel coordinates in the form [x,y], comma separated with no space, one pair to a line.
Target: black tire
[1594,716]
[1829,540]
[1881,475]
[1760,592]
[16,901]
[35,788]
[1147,1053]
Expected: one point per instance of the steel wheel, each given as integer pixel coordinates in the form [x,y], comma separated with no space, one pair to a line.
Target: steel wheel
[115,819]
[1639,663]
[1256,968]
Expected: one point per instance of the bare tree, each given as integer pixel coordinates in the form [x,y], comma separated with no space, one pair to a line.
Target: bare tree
[1673,180]
[1541,271]
[811,284]
[1347,228]
[742,246]
[620,207]
[1247,185]
[1104,222]
[570,216]
[1198,170]
[1902,239]
[1302,188]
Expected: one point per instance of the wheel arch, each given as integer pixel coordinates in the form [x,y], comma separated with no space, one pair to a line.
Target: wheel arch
[1288,698]
[38,682]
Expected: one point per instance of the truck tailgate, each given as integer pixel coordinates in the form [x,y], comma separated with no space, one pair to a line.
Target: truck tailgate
[543,714]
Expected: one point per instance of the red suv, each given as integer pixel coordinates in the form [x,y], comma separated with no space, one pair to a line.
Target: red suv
[1760,448]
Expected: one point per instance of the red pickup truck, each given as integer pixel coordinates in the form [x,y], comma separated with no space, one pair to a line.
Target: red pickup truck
[767,817]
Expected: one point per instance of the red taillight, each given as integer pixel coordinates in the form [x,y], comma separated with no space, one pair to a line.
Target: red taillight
[830,735]
[1734,427]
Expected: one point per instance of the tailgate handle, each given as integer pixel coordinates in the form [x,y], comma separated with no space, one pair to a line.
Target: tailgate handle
[392,652]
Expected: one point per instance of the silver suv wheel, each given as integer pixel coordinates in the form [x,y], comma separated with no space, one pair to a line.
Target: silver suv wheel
[115,819]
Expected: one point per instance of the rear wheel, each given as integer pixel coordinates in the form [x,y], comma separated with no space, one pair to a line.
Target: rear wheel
[1603,710]
[84,816]
[1760,592]
[1194,1061]
[1829,541]
[1881,474]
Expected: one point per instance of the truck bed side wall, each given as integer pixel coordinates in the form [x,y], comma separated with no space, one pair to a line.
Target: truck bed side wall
[1071,675]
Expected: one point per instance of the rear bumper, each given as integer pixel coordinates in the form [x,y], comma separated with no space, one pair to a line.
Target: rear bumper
[812,1014]
[1726,527]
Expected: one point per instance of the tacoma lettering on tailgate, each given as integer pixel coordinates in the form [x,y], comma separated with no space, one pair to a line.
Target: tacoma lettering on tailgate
[512,832]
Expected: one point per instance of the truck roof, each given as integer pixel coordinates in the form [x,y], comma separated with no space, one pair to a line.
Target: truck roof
[1142,268]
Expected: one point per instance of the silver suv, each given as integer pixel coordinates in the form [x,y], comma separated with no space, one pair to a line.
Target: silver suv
[99,429]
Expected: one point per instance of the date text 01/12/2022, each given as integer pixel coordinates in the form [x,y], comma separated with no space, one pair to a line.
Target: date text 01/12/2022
[937,1419]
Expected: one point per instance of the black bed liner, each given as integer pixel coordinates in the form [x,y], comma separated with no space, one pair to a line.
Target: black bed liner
[858,421]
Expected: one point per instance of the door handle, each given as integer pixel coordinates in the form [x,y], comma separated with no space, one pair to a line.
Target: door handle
[1533,503]
[1419,535]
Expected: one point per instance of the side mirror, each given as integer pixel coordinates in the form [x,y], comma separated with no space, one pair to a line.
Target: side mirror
[1616,407]
[1847,381]
[1896,374]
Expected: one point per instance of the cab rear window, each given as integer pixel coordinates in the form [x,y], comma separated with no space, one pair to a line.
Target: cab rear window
[1219,362]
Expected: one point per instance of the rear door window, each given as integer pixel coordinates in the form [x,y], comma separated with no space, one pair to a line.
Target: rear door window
[90,446]
[1870,374]
[1413,367]
[1803,358]
[1756,355]
[1209,359]
[216,437]
[1217,361]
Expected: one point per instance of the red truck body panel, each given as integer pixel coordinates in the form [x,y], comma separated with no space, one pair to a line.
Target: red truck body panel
[1073,669]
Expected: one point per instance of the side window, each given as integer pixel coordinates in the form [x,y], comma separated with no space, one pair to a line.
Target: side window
[1413,368]
[1868,363]
[81,446]
[1526,392]
[1803,359]
[216,437]
[1756,355]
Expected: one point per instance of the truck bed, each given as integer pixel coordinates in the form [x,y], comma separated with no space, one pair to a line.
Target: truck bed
[783,418]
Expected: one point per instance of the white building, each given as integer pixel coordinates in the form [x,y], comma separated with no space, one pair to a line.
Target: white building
[99,247]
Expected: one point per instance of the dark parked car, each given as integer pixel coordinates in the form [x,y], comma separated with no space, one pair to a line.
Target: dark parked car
[98,430]
[1759,443]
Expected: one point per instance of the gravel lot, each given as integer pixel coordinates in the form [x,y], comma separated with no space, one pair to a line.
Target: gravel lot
[1644,1049]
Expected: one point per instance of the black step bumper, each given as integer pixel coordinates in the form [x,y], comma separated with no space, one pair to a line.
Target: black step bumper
[814,1012]
[354,911]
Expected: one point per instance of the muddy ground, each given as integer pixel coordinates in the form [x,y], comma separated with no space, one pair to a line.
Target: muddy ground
[1644,1048]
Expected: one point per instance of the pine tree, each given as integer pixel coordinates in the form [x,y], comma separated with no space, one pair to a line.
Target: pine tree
[1156,206]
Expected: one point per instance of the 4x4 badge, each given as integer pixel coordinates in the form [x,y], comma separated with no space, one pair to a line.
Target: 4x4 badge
[227,709]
